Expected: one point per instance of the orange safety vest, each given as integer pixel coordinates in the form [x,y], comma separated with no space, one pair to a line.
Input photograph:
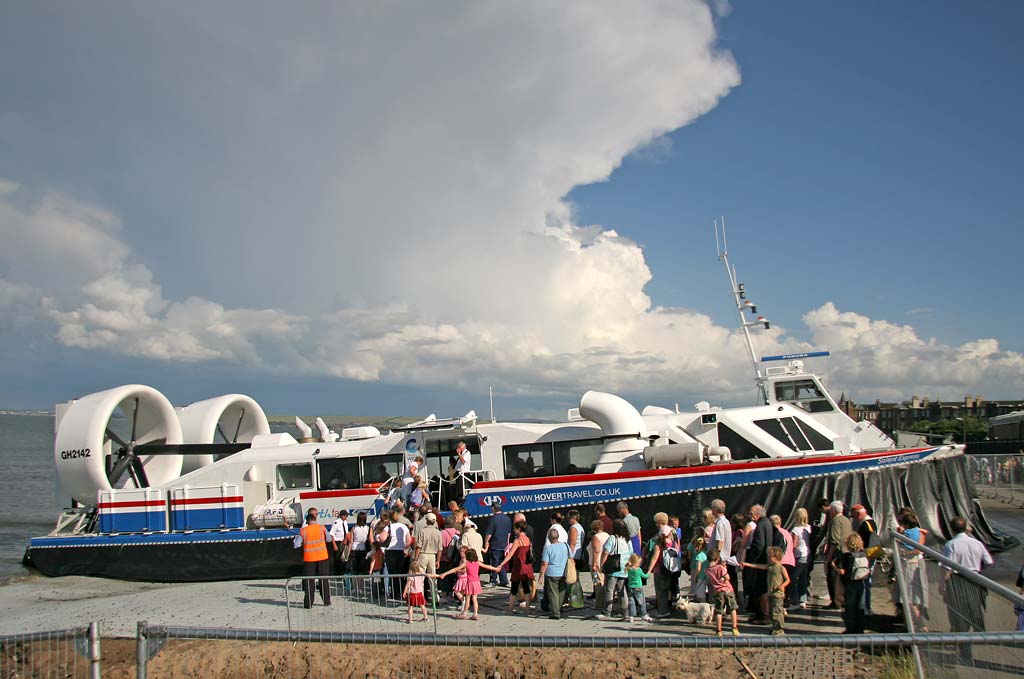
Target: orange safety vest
[314,547]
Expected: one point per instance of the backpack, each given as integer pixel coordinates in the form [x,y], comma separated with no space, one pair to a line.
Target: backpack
[670,560]
[451,552]
[861,570]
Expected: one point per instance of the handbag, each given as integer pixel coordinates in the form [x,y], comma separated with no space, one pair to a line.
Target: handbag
[611,563]
[571,576]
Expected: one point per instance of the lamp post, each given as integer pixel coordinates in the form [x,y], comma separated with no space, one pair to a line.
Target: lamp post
[961,419]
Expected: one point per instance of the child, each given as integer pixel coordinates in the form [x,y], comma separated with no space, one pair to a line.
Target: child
[723,595]
[853,568]
[778,581]
[471,566]
[459,591]
[414,591]
[635,580]
[698,559]
[420,494]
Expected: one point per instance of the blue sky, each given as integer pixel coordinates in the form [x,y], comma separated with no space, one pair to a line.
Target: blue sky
[872,156]
[380,211]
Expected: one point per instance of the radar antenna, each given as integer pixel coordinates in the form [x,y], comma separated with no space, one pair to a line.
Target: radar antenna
[739,295]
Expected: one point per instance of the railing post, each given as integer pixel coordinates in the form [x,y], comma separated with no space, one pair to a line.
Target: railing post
[141,651]
[908,618]
[94,650]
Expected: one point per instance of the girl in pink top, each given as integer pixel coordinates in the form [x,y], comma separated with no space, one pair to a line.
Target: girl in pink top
[414,591]
[471,567]
[788,553]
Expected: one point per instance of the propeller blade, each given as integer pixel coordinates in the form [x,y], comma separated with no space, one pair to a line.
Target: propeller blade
[238,428]
[135,418]
[131,472]
[118,470]
[189,448]
[117,439]
[139,472]
[223,436]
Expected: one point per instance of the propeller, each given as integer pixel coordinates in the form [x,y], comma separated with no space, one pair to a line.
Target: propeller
[127,459]
[238,429]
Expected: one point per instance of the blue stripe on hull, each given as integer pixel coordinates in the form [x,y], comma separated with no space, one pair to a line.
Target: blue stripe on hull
[551,496]
[133,522]
[162,538]
[206,519]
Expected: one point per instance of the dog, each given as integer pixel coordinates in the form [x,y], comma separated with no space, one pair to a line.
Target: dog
[696,611]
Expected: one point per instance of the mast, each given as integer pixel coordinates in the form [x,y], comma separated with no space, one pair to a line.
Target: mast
[739,295]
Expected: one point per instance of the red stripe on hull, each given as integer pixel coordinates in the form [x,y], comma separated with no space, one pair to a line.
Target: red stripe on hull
[206,500]
[318,495]
[674,471]
[133,503]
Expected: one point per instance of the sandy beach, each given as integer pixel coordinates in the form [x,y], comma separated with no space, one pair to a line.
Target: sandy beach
[38,603]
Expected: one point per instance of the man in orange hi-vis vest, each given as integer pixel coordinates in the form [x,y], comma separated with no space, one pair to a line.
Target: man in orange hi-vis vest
[313,539]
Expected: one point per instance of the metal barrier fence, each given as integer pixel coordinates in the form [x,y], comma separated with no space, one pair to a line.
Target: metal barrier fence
[372,603]
[63,653]
[1000,477]
[944,597]
[347,655]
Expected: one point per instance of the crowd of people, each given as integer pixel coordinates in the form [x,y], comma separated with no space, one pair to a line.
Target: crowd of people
[751,562]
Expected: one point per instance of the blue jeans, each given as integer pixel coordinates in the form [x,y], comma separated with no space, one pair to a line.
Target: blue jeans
[637,602]
[496,557]
[867,589]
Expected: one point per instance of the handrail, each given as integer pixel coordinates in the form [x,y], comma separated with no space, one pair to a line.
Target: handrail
[976,578]
[596,641]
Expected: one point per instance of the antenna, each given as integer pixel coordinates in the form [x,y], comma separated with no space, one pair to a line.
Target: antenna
[490,395]
[739,294]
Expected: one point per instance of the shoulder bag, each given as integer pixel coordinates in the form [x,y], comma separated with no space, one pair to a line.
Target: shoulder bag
[611,562]
[571,576]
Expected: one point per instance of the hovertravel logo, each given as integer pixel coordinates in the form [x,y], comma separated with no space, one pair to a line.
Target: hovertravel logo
[488,500]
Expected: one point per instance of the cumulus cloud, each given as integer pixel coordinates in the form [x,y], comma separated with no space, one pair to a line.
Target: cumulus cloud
[880,358]
[377,193]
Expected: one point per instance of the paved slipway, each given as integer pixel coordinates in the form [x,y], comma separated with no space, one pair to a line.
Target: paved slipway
[37,603]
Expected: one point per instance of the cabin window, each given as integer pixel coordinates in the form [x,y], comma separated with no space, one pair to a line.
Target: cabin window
[294,476]
[794,432]
[439,453]
[819,441]
[577,457]
[774,427]
[338,473]
[380,468]
[803,393]
[528,461]
[739,447]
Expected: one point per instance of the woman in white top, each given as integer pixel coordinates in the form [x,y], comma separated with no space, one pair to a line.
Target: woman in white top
[801,532]
[594,550]
[360,545]
[395,559]
[575,536]
[409,478]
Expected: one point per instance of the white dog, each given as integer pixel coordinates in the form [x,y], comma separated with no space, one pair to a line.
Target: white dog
[696,611]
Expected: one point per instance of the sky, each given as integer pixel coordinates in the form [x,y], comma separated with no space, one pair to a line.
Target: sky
[388,208]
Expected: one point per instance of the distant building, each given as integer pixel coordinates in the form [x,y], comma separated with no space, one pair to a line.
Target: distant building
[1007,427]
[903,415]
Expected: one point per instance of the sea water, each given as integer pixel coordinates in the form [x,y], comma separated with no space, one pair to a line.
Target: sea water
[28,503]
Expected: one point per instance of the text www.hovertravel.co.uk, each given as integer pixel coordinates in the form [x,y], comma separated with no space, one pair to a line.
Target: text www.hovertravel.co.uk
[583,494]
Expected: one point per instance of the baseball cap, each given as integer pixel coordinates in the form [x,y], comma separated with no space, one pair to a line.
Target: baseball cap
[856,508]
[430,518]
